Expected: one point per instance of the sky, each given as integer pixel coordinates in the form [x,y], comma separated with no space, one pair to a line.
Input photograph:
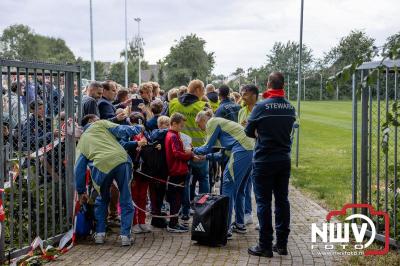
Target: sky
[239,32]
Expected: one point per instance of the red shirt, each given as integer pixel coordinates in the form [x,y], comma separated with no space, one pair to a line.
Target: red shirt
[177,159]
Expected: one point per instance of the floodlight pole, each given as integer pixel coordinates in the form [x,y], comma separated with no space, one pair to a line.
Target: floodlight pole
[299,83]
[140,46]
[92,73]
[126,46]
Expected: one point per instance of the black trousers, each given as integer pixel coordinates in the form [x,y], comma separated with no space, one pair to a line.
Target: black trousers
[268,179]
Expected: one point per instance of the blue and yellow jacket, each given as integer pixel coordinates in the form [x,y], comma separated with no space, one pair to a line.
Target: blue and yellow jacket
[99,145]
[229,134]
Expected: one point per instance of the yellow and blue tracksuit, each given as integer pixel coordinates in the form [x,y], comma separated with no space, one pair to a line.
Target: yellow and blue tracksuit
[99,148]
[231,136]
[244,114]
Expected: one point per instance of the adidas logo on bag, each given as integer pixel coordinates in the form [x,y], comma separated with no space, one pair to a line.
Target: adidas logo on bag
[199,228]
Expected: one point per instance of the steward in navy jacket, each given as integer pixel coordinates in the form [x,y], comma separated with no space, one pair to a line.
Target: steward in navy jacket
[271,123]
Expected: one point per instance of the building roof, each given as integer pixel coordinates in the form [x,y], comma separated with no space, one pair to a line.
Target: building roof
[375,64]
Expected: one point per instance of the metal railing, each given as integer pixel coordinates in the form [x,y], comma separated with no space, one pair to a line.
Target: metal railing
[36,159]
[375,145]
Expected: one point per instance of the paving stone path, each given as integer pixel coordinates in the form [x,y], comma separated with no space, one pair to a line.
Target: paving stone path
[163,248]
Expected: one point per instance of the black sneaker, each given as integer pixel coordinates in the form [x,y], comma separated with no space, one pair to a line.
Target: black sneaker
[159,222]
[239,229]
[185,217]
[178,228]
[229,235]
[281,250]
[258,251]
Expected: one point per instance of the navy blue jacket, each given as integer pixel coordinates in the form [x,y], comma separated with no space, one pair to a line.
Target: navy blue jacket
[273,121]
[151,124]
[107,110]
[228,110]
[89,106]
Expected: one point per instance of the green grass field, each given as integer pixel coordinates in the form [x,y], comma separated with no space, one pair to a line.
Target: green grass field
[324,170]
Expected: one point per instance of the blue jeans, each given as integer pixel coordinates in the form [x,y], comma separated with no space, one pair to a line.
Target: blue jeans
[122,175]
[186,196]
[273,178]
[235,178]
[248,209]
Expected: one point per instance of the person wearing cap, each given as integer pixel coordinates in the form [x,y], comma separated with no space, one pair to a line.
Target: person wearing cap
[271,123]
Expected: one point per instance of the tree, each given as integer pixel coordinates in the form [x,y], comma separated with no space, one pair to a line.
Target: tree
[357,46]
[188,60]
[101,72]
[20,42]
[133,50]
[117,72]
[161,73]
[285,57]
[239,71]
[392,45]
[15,42]
[353,47]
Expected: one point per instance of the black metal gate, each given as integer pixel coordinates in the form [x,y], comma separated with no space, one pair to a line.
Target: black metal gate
[39,105]
[375,143]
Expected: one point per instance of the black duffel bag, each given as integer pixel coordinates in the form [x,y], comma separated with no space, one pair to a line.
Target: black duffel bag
[210,219]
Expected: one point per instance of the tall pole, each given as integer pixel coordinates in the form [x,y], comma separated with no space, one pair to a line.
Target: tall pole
[126,46]
[92,76]
[320,88]
[337,91]
[299,83]
[140,48]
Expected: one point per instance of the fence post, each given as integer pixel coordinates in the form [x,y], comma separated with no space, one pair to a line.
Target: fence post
[70,145]
[2,169]
[354,143]
[364,148]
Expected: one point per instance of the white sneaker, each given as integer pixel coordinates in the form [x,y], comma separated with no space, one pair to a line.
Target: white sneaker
[126,241]
[248,219]
[136,229]
[99,238]
[146,228]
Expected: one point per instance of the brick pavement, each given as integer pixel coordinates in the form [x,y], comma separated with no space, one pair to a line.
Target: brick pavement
[163,248]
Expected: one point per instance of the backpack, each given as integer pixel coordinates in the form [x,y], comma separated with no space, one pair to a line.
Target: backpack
[154,161]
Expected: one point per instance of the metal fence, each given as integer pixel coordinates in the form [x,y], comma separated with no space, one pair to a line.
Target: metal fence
[37,156]
[375,145]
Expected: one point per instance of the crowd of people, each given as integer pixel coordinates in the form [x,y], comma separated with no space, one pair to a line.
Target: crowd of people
[150,152]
